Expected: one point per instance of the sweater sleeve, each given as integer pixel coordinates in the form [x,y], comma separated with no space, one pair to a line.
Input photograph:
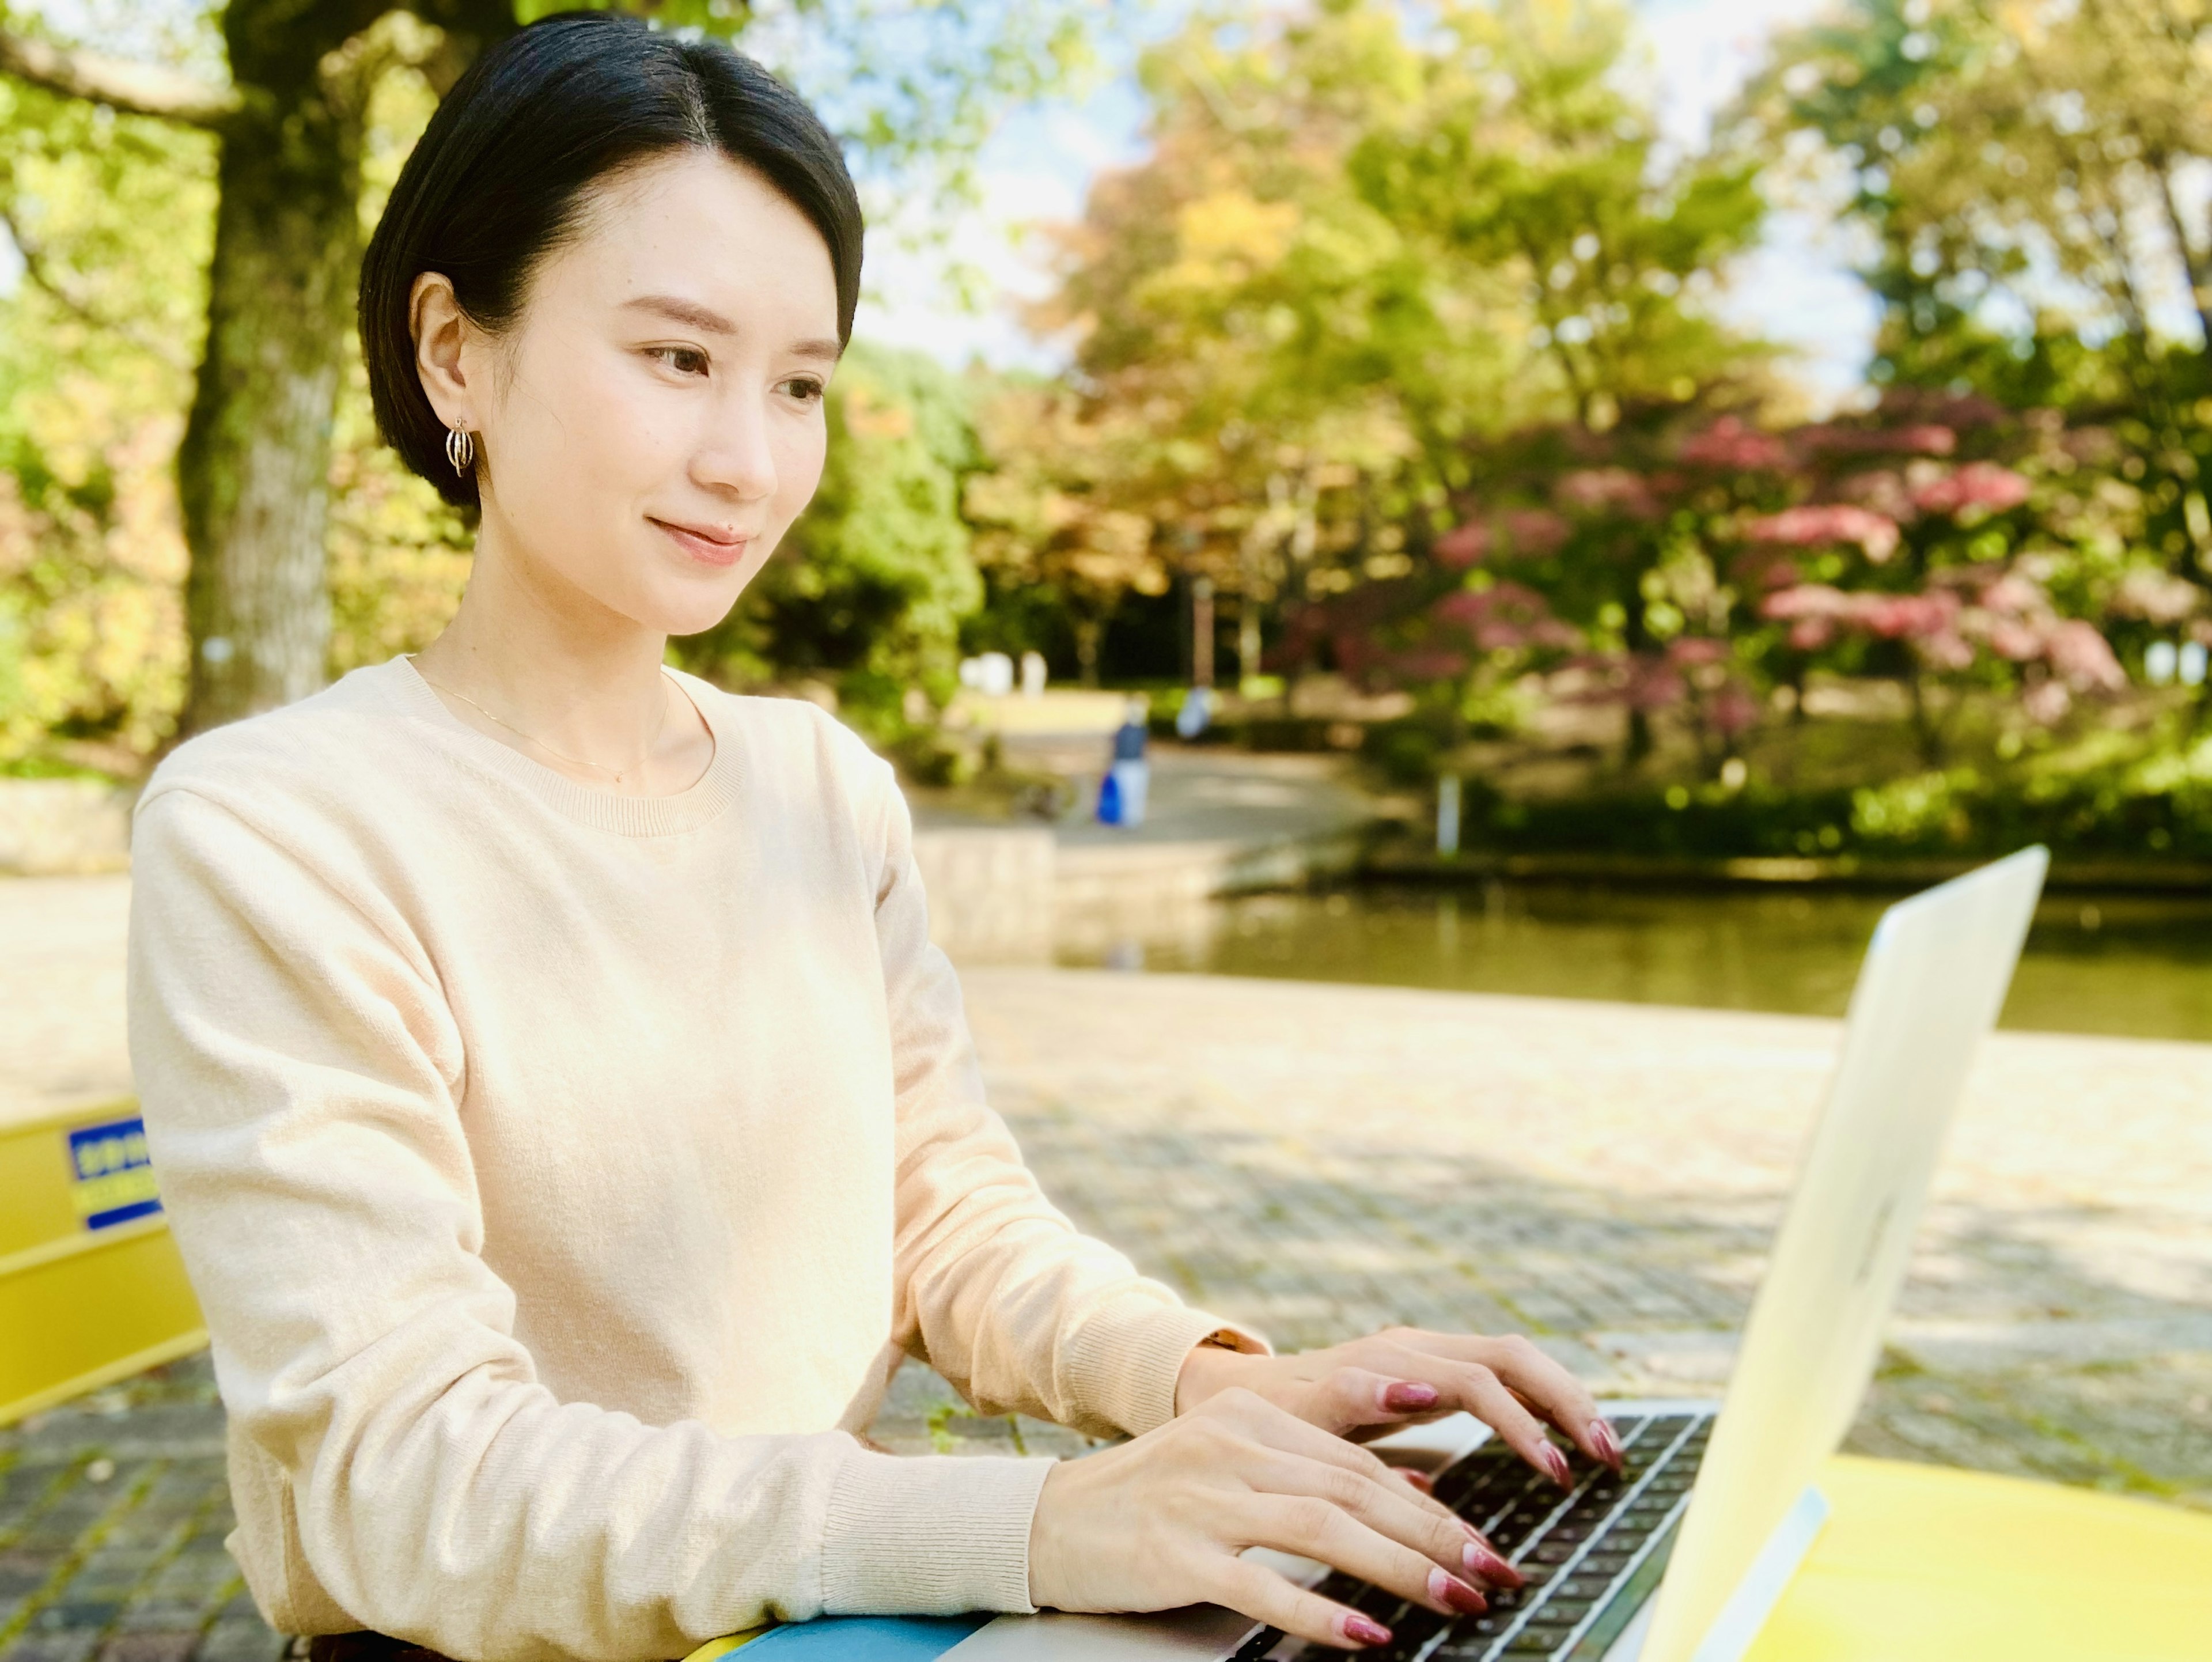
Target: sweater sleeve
[1003,1294]
[301,1077]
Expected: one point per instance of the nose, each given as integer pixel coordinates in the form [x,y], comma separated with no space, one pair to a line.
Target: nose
[736,455]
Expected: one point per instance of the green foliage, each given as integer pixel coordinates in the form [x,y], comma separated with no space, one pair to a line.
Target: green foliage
[868,591]
[2028,175]
[1363,247]
[2156,808]
[114,217]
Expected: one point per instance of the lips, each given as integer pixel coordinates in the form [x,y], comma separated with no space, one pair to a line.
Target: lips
[708,544]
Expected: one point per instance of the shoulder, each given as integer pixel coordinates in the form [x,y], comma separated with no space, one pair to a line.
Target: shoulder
[325,750]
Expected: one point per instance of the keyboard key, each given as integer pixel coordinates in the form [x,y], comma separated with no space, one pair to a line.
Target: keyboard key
[1379,1603]
[1531,1644]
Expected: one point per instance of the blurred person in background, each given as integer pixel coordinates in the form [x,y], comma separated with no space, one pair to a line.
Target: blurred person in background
[565,1120]
[1129,774]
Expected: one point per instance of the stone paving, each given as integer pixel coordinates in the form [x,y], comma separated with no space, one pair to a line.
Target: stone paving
[1321,1159]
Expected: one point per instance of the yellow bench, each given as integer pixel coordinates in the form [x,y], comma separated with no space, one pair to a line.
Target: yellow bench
[91,1288]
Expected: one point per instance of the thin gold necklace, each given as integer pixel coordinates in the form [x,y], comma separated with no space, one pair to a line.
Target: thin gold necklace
[574,761]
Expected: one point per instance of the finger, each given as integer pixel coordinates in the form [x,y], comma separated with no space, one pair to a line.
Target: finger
[1349,1398]
[1545,1387]
[1254,1590]
[1335,1534]
[1485,1567]
[1542,1380]
[1482,1394]
[1277,1427]
[1393,1511]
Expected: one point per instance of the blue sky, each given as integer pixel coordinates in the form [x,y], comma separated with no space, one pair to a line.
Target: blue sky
[1796,289]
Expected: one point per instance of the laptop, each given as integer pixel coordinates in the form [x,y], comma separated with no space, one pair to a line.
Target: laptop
[1681,1556]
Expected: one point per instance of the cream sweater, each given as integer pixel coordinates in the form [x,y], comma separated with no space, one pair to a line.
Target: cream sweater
[563,1175]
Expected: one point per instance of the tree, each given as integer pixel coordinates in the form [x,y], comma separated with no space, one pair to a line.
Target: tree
[254,463]
[1053,515]
[288,130]
[1358,249]
[111,215]
[2028,172]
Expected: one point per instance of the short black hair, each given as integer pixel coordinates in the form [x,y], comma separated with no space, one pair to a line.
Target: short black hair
[497,184]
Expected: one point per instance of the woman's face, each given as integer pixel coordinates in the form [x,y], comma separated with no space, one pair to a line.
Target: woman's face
[656,420]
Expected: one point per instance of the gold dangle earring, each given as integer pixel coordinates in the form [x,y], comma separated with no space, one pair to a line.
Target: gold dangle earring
[460,449]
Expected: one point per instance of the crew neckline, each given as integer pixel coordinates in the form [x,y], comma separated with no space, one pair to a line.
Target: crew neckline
[704,798]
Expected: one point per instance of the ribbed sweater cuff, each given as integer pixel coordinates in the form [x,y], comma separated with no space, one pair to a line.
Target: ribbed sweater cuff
[1123,1360]
[930,1535]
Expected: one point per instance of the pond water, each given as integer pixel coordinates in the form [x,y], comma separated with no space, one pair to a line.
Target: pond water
[2133,964]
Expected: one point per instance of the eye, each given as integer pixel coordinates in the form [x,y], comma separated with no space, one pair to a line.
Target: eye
[807,389]
[691,354]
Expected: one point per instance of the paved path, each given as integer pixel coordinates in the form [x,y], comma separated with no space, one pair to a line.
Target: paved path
[1320,1160]
[61,993]
[1198,794]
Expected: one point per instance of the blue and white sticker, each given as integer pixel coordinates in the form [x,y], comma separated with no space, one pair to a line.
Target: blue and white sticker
[110,1174]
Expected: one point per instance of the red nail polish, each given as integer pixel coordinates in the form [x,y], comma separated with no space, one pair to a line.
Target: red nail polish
[1451,1592]
[1556,1464]
[1362,1630]
[1420,1480]
[1608,1446]
[1486,1563]
[1408,1396]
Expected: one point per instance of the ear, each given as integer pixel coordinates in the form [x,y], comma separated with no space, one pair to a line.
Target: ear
[440,329]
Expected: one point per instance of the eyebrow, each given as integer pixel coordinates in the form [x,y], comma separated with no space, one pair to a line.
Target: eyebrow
[714,323]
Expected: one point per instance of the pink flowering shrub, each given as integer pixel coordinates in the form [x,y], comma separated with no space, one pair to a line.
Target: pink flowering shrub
[1522,533]
[1729,444]
[1688,569]
[1982,487]
[2005,613]
[1834,522]
[1505,617]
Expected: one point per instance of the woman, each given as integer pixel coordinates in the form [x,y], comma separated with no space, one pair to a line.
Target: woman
[564,1119]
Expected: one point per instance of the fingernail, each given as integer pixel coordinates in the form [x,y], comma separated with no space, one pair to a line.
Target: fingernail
[1482,1562]
[1556,1464]
[1420,1480]
[1608,1446]
[1406,1396]
[1450,1590]
[1362,1630]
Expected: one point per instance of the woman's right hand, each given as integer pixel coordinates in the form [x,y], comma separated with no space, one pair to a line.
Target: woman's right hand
[1158,1522]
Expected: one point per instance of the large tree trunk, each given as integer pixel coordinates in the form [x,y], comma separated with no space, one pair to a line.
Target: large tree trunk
[253,470]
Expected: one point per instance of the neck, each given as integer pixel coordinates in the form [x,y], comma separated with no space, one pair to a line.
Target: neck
[557,664]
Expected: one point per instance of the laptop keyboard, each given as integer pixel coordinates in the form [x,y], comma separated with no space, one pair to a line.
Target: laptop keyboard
[1591,1555]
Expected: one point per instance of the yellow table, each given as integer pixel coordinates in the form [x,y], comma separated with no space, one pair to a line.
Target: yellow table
[1928,1564]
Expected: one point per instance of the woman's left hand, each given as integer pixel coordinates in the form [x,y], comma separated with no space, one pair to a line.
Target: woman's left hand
[1405,1375]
